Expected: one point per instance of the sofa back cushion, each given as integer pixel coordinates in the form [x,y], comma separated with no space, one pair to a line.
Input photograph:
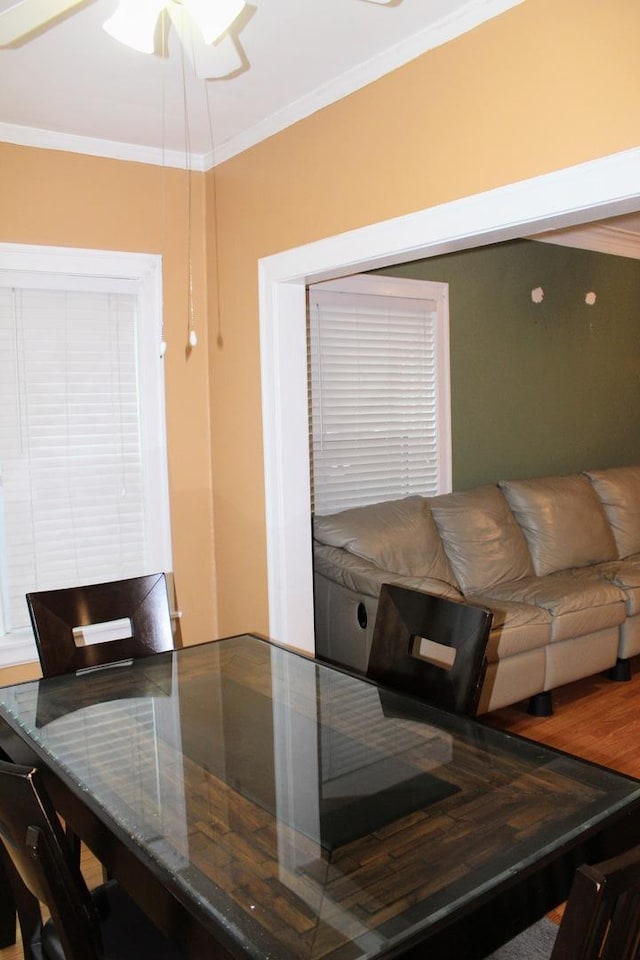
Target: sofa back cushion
[618,490]
[563,521]
[484,544]
[397,535]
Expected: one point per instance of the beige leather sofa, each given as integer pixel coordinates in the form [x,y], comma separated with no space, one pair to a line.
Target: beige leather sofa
[557,560]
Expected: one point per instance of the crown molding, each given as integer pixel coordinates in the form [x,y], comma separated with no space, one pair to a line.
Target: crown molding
[601,238]
[94,147]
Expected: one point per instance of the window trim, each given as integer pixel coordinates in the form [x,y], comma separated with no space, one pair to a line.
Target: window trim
[146,271]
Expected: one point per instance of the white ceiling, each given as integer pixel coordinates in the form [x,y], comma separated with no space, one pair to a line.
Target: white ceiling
[71,86]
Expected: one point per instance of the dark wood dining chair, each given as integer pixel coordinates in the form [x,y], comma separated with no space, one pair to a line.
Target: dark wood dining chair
[103,924]
[58,615]
[430,646]
[601,920]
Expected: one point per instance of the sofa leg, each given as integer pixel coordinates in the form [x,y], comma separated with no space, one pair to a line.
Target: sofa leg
[621,671]
[541,704]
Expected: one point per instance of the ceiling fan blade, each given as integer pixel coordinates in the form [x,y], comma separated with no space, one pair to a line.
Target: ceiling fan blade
[134,23]
[224,59]
[25,16]
[210,61]
[214,19]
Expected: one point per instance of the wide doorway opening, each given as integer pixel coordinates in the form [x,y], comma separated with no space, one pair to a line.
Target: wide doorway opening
[599,189]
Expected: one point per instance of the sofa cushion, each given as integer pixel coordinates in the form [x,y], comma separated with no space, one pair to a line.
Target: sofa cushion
[563,521]
[398,536]
[577,607]
[484,544]
[516,627]
[618,490]
[625,574]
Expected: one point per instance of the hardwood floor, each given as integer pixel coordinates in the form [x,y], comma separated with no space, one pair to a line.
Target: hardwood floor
[594,718]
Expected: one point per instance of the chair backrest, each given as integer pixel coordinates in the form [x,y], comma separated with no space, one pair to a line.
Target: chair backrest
[55,614]
[601,920]
[43,868]
[430,646]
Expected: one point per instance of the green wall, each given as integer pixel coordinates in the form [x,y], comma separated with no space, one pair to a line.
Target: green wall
[546,388]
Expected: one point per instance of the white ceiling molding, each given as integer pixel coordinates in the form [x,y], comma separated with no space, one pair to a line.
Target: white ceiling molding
[622,240]
[94,147]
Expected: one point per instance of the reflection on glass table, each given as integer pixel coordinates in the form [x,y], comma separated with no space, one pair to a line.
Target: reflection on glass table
[291,810]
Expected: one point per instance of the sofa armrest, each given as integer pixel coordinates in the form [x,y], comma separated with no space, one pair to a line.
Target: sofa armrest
[364,577]
[347,588]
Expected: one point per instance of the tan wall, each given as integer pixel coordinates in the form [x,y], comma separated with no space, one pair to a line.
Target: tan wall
[549,84]
[51,197]
[20,673]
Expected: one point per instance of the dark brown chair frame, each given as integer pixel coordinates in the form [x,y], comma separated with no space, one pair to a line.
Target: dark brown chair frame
[602,918]
[404,616]
[55,613]
[41,869]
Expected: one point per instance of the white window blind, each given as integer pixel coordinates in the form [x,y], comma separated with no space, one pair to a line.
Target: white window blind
[79,499]
[379,389]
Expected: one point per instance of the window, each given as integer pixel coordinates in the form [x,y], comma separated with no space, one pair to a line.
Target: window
[83,478]
[379,375]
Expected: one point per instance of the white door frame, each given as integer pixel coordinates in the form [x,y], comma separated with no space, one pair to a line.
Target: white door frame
[601,188]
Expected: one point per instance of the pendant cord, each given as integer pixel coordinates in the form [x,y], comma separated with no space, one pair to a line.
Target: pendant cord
[163,182]
[214,184]
[191,326]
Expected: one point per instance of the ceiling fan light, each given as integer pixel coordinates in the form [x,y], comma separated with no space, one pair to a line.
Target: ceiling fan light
[134,23]
[213,19]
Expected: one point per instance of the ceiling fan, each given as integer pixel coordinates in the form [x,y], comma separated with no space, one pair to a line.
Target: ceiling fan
[202,25]
[135,22]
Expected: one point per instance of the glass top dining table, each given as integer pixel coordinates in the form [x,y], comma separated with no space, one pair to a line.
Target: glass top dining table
[259,803]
